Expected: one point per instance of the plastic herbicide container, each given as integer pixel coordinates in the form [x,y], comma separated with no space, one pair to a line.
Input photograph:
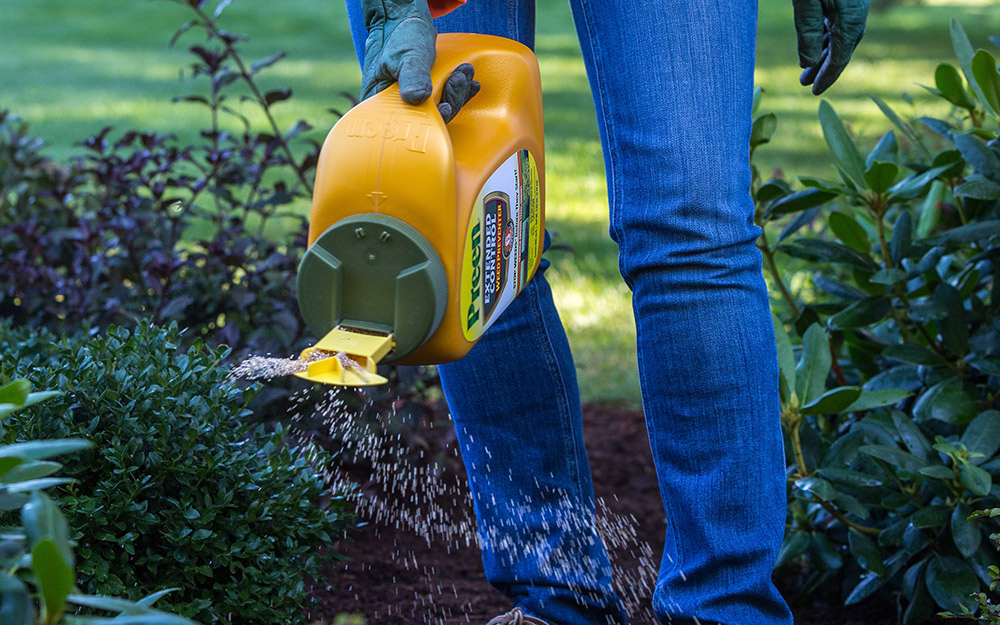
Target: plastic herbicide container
[422,233]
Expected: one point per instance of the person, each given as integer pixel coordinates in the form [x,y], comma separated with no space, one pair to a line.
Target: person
[672,84]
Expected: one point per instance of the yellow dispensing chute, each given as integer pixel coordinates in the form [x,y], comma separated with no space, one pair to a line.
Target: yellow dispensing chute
[422,233]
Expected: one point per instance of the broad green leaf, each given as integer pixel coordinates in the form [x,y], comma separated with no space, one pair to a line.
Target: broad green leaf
[6,464]
[963,50]
[801,219]
[799,201]
[953,327]
[793,546]
[912,186]
[989,366]
[108,604]
[826,552]
[154,618]
[975,231]
[914,354]
[904,127]
[33,485]
[850,232]
[949,84]
[28,471]
[861,313]
[149,600]
[930,517]
[814,365]
[15,392]
[975,479]
[828,251]
[946,401]
[42,520]
[869,400]
[950,582]
[817,487]
[852,506]
[898,458]
[844,450]
[833,401]
[902,238]
[888,276]
[982,436]
[884,150]
[984,71]
[786,357]
[16,607]
[869,584]
[847,477]
[865,552]
[938,472]
[965,533]
[772,190]
[845,152]
[979,156]
[55,576]
[880,176]
[913,439]
[39,450]
[763,129]
[930,209]
[978,188]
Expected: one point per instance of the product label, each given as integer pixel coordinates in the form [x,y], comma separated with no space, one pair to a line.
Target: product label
[502,243]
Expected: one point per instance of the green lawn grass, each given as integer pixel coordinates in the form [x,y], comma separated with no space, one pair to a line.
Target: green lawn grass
[70,67]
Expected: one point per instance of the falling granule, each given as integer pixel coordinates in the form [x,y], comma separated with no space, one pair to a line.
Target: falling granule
[268,367]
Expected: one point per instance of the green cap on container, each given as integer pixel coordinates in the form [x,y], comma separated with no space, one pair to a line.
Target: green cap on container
[373,272]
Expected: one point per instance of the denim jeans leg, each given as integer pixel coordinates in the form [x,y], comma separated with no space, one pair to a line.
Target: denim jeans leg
[516,407]
[672,84]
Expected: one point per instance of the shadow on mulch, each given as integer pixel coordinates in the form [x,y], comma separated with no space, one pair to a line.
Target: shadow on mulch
[394,577]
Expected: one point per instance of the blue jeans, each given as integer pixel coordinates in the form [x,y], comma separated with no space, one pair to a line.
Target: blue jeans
[672,84]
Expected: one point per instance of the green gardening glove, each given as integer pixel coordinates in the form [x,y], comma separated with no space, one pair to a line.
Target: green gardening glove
[828,32]
[401,47]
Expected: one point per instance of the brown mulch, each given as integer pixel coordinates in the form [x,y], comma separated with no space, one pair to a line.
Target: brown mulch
[393,577]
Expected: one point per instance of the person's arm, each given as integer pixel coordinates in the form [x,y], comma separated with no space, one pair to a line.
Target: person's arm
[828,32]
[401,47]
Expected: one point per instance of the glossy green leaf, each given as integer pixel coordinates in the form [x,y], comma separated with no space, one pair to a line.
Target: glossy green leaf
[865,588]
[914,354]
[850,232]
[888,276]
[42,520]
[833,401]
[786,357]
[978,188]
[965,533]
[984,71]
[938,472]
[847,477]
[861,313]
[814,365]
[865,552]
[913,439]
[28,471]
[982,436]
[15,392]
[950,582]
[904,461]
[826,552]
[902,238]
[930,517]
[799,201]
[979,156]
[845,152]
[885,150]
[817,487]
[828,251]
[975,479]
[793,546]
[869,400]
[763,129]
[976,231]
[949,83]
[39,450]
[107,604]
[773,189]
[55,577]
[903,127]
[6,464]
[963,50]
[953,327]
[912,186]
[880,176]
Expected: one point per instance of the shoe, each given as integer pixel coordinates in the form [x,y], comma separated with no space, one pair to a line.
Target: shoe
[516,617]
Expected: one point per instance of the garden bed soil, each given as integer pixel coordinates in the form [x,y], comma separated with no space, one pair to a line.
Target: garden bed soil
[394,577]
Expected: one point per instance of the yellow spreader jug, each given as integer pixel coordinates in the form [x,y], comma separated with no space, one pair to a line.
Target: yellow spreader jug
[422,233]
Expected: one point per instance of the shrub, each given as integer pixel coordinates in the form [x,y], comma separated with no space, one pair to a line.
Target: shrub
[179,486]
[890,408]
[37,552]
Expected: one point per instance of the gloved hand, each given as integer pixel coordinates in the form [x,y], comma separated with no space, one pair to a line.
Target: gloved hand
[828,32]
[401,47]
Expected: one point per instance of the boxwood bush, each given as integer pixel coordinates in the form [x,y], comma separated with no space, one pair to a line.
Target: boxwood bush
[890,358]
[179,489]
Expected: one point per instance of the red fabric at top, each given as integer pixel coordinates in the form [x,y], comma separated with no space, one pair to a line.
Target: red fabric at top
[440,7]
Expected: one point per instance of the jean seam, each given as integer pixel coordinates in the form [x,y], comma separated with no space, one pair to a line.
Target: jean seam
[552,364]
